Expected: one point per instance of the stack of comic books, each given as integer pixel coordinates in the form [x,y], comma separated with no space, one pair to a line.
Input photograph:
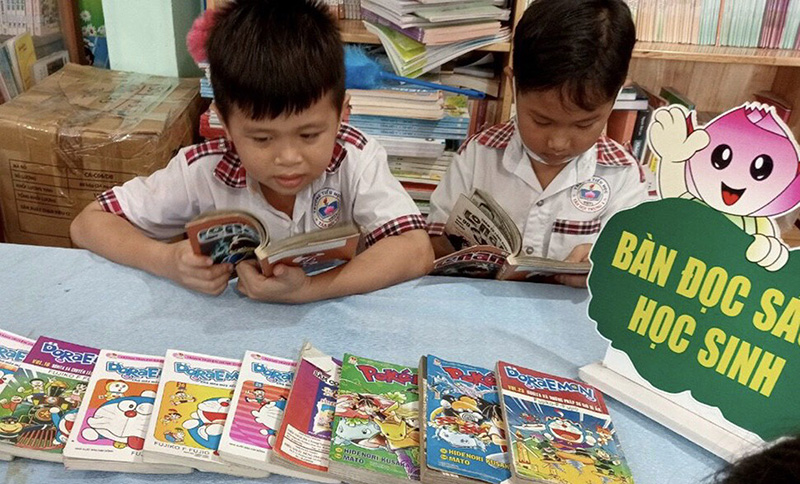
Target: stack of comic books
[256,412]
[303,439]
[463,433]
[13,349]
[191,405]
[559,430]
[376,427]
[42,397]
[113,417]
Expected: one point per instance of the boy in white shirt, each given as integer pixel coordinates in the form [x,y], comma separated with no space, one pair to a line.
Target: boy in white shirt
[549,167]
[277,69]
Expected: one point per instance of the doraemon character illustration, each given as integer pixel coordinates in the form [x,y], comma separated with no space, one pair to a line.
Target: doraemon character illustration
[175,437]
[259,396]
[37,387]
[63,424]
[180,396]
[269,415]
[172,415]
[114,389]
[323,417]
[363,433]
[459,440]
[11,405]
[205,425]
[122,421]
[605,462]
[744,164]
[10,428]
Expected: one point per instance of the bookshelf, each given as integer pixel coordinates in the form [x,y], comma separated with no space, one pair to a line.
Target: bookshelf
[354,32]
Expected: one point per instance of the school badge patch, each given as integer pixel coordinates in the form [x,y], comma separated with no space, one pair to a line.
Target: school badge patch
[327,207]
[591,196]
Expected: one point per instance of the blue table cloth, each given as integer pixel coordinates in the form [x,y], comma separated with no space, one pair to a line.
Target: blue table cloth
[77,296]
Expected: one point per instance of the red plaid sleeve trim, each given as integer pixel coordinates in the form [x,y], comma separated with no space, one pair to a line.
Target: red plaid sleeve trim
[212,147]
[396,227]
[347,134]
[573,227]
[611,153]
[109,203]
[435,229]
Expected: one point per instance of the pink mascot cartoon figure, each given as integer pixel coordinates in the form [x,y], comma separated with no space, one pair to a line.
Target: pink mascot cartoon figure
[744,163]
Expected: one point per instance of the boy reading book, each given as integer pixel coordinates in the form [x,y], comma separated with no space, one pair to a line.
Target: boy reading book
[277,69]
[550,168]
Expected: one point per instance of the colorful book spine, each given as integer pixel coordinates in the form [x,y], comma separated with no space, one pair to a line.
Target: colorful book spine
[559,429]
[113,419]
[376,427]
[42,397]
[464,428]
[191,405]
[257,409]
[304,436]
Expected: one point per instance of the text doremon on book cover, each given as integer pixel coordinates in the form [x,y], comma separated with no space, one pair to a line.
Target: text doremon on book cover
[113,417]
[42,397]
[559,429]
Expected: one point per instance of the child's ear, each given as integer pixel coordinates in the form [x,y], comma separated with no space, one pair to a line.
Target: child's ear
[214,108]
[344,113]
[509,72]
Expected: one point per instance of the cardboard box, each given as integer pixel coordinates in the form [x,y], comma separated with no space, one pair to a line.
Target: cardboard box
[79,132]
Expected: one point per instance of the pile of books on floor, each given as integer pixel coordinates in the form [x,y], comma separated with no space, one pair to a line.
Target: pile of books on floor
[318,418]
[421,36]
[764,23]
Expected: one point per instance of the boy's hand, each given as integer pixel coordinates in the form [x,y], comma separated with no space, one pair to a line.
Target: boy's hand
[670,137]
[194,271]
[580,253]
[286,285]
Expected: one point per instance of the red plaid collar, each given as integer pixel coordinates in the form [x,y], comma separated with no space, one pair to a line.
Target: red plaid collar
[611,153]
[229,169]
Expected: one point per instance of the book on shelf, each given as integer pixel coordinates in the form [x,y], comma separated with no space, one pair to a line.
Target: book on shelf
[462,429]
[23,56]
[559,430]
[489,245]
[13,350]
[230,236]
[412,147]
[673,96]
[376,425]
[8,83]
[490,86]
[41,398]
[191,406]
[437,34]
[304,437]
[111,424]
[48,65]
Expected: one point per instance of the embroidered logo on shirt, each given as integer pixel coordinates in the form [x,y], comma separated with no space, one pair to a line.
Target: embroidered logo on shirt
[327,207]
[591,196]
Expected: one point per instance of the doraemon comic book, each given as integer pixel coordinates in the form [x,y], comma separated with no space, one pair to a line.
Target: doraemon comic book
[464,431]
[40,399]
[256,412]
[191,406]
[113,417]
[376,425]
[559,430]
[13,349]
[304,436]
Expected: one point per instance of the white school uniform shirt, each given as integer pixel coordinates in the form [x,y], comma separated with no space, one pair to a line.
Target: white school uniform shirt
[569,212]
[356,186]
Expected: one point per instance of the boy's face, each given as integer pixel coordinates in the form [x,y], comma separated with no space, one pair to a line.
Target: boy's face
[287,153]
[554,128]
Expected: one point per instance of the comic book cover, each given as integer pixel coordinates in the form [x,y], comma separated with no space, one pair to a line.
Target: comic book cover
[256,409]
[191,405]
[464,427]
[304,436]
[13,349]
[559,429]
[41,398]
[113,417]
[376,427]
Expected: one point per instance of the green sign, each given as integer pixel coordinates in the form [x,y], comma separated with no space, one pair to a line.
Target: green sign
[671,287]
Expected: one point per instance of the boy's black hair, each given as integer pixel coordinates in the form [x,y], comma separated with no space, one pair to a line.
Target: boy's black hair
[274,57]
[582,47]
[780,462]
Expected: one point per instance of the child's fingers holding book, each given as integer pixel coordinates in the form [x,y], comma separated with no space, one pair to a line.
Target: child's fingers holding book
[197,272]
[285,285]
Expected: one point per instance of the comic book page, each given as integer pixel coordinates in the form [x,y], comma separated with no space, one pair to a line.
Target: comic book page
[257,409]
[41,399]
[479,220]
[464,427]
[559,429]
[376,427]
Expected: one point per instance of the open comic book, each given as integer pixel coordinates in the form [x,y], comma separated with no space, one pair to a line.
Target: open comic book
[488,245]
[234,235]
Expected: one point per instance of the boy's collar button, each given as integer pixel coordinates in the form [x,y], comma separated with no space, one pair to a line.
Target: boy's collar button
[540,203]
[529,250]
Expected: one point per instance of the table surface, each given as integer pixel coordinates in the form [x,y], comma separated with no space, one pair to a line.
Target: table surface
[77,296]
